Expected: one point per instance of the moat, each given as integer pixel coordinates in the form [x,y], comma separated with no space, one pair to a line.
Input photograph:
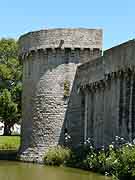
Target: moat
[10,170]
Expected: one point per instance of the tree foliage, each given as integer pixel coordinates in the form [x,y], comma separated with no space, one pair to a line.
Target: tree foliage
[10,83]
[8,110]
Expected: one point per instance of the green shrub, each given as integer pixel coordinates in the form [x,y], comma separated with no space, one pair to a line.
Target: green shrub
[125,162]
[101,158]
[57,156]
[111,161]
[78,157]
[116,161]
[120,163]
[92,161]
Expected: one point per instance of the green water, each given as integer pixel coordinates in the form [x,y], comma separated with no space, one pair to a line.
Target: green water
[25,171]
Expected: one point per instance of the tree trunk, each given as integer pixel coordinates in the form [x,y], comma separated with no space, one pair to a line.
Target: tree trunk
[7,129]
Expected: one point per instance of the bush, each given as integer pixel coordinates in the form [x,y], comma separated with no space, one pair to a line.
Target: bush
[92,161]
[96,160]
[118,160]
[120,163]
[78,157]
[111,161]
[57,156]
[125,163]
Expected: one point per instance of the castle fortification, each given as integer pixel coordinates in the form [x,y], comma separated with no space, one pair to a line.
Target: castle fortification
[50,60]
[69,87]
[106,88]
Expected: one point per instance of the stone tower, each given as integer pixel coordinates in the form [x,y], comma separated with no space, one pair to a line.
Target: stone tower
[50,59]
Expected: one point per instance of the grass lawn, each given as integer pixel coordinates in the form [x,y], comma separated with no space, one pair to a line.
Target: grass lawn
[9,142]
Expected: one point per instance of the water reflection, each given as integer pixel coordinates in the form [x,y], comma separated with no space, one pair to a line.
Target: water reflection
[25,171]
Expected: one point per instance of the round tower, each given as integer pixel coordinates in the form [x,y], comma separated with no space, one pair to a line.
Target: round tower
[50,58]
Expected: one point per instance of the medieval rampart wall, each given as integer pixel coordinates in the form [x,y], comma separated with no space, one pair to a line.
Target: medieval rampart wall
[107,89]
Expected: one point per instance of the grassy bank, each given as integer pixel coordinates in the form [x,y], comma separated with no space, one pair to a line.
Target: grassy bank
[9,142]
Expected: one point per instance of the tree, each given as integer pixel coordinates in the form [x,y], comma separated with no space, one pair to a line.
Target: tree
[10,67]
[16,93]
[8,111]
[10,84]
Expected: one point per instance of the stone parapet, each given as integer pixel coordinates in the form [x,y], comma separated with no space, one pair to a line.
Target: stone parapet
[115,61]
[61,38]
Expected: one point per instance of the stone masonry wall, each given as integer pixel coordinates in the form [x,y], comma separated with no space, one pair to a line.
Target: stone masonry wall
[50,59]
[107,87]
[100,102]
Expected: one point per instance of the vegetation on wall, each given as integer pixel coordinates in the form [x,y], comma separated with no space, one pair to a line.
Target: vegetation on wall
[57,156]
[66,88]
[10,84]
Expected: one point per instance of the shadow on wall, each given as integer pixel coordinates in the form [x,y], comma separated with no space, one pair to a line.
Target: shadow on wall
[72,132]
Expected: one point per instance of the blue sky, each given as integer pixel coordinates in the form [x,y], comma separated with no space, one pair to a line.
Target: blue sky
[115,17]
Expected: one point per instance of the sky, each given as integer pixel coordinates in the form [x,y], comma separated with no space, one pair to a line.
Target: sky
[115,17]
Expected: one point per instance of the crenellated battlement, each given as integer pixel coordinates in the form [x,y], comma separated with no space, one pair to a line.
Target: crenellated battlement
[61,38]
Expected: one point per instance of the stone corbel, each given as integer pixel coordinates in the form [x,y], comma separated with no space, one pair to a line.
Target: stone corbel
[53,51]
[105,83]
[113,75]
[133,70]
[119,73]
[105,76]
[90,88]
[126,73]
[95,86]
[78,89]
[102,85]
[45,52]
[22,56]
